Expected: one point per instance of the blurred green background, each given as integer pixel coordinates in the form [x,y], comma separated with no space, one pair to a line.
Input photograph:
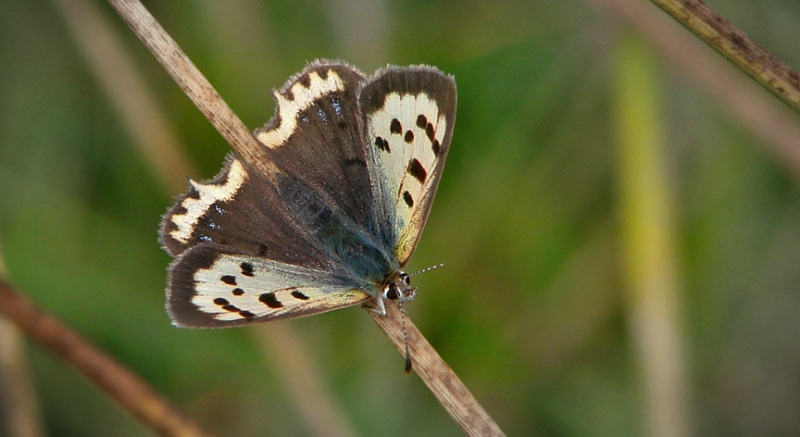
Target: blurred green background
[622,244]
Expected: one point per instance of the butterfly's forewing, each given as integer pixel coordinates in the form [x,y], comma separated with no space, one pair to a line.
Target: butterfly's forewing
[316,138]
[409,115]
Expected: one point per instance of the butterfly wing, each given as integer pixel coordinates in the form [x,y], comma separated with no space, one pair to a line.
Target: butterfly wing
[211,287]
[409,115]
[238,209]
[315,137]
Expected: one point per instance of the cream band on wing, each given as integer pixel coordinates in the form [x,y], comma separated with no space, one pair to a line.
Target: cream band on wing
[207,195]
[303,97]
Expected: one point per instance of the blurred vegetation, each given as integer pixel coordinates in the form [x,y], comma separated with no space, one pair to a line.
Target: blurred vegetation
[529,310]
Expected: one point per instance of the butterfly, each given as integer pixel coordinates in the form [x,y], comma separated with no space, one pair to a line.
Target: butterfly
[357,161]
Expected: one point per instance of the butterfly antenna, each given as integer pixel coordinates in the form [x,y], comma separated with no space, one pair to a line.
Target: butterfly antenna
[428,269]
[405,337]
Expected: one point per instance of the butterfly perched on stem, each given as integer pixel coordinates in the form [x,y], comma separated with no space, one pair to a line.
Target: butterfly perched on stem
[357,163]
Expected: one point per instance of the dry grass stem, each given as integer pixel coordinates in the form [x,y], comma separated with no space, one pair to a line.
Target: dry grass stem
[192,82]
[437,375]
[774,124]
[735,45]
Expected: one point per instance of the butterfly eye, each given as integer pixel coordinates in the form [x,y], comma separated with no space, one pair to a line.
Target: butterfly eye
[391,292]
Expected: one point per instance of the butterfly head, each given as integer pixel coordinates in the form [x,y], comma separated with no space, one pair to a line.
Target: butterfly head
[398,287]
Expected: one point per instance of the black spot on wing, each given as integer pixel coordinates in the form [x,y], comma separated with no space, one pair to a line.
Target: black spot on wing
[422,121]
[409,137]
[408,199]
[297,294]
[247,269]
[270,300]
[226,305]
[430,131]
[382,144]
[395,127]
[416,170]
[436,147]
[237,292]
[228,279]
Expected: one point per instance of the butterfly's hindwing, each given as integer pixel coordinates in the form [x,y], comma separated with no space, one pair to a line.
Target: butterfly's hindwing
[211,288]
[409,115]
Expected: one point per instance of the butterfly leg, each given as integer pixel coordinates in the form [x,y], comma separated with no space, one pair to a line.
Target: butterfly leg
[376,305]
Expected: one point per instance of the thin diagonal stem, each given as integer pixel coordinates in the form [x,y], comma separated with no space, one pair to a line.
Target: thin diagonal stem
[437,375]
[737,46]
[775,125]
[192,82]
